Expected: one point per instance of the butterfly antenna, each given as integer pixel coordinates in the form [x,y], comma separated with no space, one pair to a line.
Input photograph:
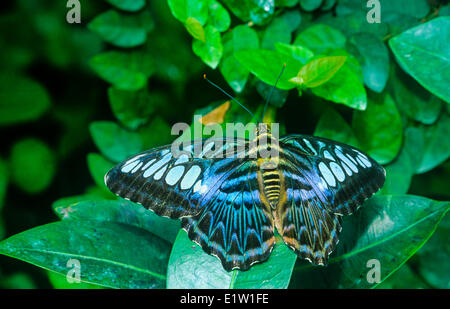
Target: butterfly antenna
[271,91]
[228,95]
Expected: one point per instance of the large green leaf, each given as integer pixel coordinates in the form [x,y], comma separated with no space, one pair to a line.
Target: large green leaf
[125,70]
[400,171]
[191,268]
[389,229]
[257,11]
[114,142]
[436,144]
[310,5]
[424,53]
[21,99]
[412,99]
[379,128]
[331,125]
[120,211]
[267,65]
[240,38]
[434,257]
[32,165]
[122,30]
[110,254]
[374,58]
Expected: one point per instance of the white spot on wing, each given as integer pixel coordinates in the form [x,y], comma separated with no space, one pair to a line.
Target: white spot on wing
[347,161]
[328,155]
[134,170]
[327,174]
[364,160]
[174,175]
[182,159]
[160,173]
[337,171]
[128,167]
[190,177]
[310,146]
[152,169]
[148,164]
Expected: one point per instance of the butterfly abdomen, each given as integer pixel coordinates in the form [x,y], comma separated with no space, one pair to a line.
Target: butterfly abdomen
[271,186]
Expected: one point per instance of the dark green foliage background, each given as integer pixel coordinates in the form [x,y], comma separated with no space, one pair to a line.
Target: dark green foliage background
[77,98]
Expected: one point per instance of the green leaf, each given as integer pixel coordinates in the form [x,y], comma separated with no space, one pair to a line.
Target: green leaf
[240,38]
[387,228]
[114,142]
[99,166]
[310,5]
[128,5]
[412,99]
[125,70]
[120,211]
[321,39]
[267,65]
[399,173]
[211,50]
[436,148]
[424,54]
[21,99]
[355,23]
[331,125]
[379,128]
[277,31]
[59,281]
[122,30]
[218,16]
[32,165]
[433,258]
[99,248]
[403,278]
[374,58]
[183,9]
[132,108]
[318,71]
[257,11]
[190,267]
[299,53]
[195,29]
[345,87]
[293,19]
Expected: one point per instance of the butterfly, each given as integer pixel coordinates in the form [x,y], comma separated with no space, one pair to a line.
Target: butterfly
[231,199]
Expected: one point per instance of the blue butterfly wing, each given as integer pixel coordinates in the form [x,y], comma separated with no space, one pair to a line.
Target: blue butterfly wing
[214,190]
[323,180]
[235,226]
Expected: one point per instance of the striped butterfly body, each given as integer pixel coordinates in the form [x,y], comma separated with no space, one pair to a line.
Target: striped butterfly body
[231,199]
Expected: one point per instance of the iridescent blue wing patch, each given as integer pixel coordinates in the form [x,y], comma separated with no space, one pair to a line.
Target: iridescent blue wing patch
[235,226]
[323,180]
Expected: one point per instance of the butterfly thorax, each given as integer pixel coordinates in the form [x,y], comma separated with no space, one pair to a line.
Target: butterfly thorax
[270,179]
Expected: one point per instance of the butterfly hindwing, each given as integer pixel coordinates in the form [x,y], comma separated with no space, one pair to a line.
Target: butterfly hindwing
[235,226]
[323,180]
